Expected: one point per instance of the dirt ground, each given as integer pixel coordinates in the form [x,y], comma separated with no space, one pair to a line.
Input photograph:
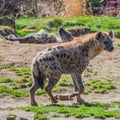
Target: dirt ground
[107,64]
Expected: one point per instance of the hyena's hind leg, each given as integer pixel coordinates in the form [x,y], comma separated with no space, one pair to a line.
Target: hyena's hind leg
[38,81]
[34,87]
[51,83]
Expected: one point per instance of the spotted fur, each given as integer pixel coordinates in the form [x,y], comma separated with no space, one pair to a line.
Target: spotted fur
[67,58]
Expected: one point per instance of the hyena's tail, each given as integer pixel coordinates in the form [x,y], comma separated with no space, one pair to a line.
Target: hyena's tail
[38,76]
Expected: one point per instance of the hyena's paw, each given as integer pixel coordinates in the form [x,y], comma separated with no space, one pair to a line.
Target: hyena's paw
[80,101]
[34,104]
[54,100]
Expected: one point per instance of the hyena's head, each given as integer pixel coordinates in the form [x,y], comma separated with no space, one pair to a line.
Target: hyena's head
[65,35]
[105,40]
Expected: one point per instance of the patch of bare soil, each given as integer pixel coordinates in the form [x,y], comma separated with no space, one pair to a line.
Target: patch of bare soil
[107,64]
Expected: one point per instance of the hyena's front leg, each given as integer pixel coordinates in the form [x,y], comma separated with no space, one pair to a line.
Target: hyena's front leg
[78,86]
[51,83]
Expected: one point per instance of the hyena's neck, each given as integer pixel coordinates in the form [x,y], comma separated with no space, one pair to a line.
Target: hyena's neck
[94,47]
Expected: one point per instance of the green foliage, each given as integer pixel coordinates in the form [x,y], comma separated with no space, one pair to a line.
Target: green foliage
[24,33]
[99,86]
[13,115]
[10,108]
[5,66]
[4,90]
[86,74]
[56,115]
[40,117]
[21,71]
[117,44]
[65,81]
[95,72]
[16,87]
[96,3]
[40,92]
[53,23]
[93,109]
[5,80]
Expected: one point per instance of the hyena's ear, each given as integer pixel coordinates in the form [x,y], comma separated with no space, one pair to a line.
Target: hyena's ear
[65,35]
[98,35]
[111,33]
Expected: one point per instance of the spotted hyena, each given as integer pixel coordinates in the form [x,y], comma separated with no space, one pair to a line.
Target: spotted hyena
[70,57]
[42,37]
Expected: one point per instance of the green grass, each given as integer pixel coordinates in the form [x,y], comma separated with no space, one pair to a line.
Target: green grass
[65,81]
[93,109]
[5,91]
[95,72]
[21,71]
[56,115]
[5,66]
[40,117]
[5,80]
[19,87]
[117,44]
[86,74]
[53,23]
[12,115]
[99,86]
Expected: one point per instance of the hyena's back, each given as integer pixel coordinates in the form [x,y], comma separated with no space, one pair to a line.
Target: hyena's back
[59,59]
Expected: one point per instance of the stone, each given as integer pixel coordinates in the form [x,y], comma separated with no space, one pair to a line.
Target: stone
[22,118]
[11,118]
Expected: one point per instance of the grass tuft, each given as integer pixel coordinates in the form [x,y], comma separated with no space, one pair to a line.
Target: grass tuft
[5,80]
[99,86]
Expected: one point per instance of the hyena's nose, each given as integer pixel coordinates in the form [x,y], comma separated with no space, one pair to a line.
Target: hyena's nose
[111,49]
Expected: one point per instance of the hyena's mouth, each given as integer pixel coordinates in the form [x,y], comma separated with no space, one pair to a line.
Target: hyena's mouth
[110,49]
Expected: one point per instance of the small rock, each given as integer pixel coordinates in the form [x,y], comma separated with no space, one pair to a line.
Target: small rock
[11,118]
[21,118]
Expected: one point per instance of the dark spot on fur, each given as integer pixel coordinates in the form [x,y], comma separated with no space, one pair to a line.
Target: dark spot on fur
[51,68]
[55,67]
[45,59]
[57,55]
[64,54]
[52,58]
[61,55]
[54,48]
[40,60]
[48,58]
[75,53]
[60,47]
[59,68]
[79,47]
[49,49]
[86,54]
[86,49]
[83,50]
[68,56]
[71,59]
